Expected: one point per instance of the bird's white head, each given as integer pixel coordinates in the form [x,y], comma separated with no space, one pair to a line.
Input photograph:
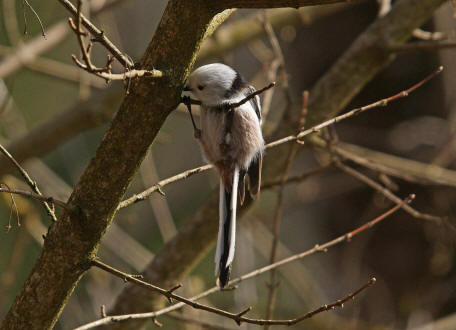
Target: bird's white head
[215,84]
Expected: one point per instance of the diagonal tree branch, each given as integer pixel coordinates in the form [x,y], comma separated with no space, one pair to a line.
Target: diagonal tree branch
[274,3]
[362,61]
[388,194]
[32,184]
[100,107]
[237,317]
[367,56]
[72,242]
[381,103]
[399,167]
[354,112]
[36,196]
[83,115]
[99,35]
[26,53]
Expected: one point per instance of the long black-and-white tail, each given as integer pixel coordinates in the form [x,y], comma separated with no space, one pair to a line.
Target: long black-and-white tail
[224,254]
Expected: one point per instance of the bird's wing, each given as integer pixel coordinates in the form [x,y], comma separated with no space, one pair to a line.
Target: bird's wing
[255,102]
[254,172]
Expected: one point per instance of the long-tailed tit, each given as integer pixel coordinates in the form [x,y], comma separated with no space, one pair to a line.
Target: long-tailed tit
[231,140]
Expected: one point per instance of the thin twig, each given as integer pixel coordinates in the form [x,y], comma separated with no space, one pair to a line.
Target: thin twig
[317,248]
[388,194]
[29,181]
[276,66]
[429,35]
[141,196]
[191,301]
[99,36]
[273,283]
[354,112]
[108,76]
[103,311]
[278,54]
[229,106]
[184,175]
[296,178]
[385,8]
[200,323]
[102,72]
[13,207]
[157,187]
[43,33]
[237,317]
[249,97]
[39,197]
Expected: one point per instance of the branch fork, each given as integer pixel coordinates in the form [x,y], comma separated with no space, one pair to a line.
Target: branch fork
[104,72]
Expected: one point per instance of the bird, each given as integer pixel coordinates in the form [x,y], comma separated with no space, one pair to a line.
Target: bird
[231,139]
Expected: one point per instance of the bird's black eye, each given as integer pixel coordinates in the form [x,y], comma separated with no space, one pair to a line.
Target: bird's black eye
[200,87]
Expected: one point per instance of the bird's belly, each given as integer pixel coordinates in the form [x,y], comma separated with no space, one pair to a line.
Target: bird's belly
[246,137]
[243,142]
[212,130]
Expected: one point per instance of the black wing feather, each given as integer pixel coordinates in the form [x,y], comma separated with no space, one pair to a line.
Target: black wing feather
[254,172]
[255,102]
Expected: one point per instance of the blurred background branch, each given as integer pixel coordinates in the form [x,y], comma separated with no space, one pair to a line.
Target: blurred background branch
[57,113]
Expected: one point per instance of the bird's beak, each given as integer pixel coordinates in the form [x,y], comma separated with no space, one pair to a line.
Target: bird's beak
[187,89]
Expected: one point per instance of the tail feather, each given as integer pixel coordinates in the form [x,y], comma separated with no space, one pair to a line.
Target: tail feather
[254,172]
[241,186]
[227,230]
[223,215]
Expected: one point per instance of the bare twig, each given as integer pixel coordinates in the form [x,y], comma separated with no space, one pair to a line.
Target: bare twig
[317,248]
[224,4]
[273,284]
[184,175]
[103,311]
[354,112]
[279,57]
[36,196]
[388,194]
[103,72]
[385,8]
[427,35]
[277,66]
[119,76]
[13,207]
[25,53]
[99,36]
[157,187]
[295,178]
[399,167]
[200,323]
[43,33]
[141,196]
[29,181]
[236,317]
[225,106]
[249,97]
[228,106]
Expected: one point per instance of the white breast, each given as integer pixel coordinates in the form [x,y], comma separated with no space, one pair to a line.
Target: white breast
[245,139]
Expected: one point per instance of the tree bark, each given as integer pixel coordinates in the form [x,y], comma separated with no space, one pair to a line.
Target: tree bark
[100,107]
[274,3]
[72,242]
[366,57]
[362,61]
